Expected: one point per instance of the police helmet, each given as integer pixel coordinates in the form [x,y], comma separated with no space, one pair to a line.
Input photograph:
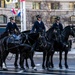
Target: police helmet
[38,16]
[11,18]
[57,18]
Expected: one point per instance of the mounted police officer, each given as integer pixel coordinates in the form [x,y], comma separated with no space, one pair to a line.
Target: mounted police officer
[11,27]
[57,27]
[38,27]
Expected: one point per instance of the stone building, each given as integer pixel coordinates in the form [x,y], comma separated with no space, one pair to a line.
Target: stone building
[48,9]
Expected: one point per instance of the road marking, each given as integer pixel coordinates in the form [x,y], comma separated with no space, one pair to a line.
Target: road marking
[37,65]
[20,71]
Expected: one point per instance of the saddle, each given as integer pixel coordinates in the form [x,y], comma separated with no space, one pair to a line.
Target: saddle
[15,39]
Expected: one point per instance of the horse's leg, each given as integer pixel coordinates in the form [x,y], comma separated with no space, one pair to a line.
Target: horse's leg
[52,65]
[32,62]
[65,58]
[4,56]
[43,64]
[60,59]
[22,62]
[47,61]
[16,59]
[27,66]
[0,60]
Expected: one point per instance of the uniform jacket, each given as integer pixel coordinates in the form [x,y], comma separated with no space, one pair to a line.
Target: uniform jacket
[59,27]
[11,27]
[38,26]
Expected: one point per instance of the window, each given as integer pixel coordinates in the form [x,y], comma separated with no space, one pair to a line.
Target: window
[17,5]
[36,5]
[52,19]
[55,5]
[2,4]
[17,20]
[49,5]
[71,6]
[3,19]
[33,19]
[72,18]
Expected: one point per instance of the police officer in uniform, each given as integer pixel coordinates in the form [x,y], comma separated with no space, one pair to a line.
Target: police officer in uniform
[38,25]
[57,28]
[11,26]
[57,25]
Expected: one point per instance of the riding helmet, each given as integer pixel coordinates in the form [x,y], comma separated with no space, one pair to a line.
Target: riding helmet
[57,18]
[38,16]
[11,18]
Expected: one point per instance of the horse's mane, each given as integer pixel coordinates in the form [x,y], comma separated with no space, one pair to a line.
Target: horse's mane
[66,29]
[49,31]
[27,31]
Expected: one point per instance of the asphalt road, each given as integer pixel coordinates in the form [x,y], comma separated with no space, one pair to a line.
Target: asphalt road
[40,71]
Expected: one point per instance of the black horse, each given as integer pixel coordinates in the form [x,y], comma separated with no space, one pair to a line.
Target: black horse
[2,35]
[10,44]
[30,40]
[40,45]
[61,44]
[17,55]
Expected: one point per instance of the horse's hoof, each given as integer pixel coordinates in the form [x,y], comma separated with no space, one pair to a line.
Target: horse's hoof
[60,66]
[1,69]
[16,67]
[27,68]
[66,67]
[43,67]
[24,70]
[4,69]
[48,69]
[34,68]
[52,66]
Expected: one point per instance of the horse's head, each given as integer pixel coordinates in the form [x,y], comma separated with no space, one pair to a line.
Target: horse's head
[49,34]
[72,30]
[67,31]
[42,41]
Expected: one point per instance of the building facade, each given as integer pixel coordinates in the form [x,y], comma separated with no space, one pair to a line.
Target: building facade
[48,9]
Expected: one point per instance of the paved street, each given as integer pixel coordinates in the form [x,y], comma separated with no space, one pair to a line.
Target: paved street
[40,71]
